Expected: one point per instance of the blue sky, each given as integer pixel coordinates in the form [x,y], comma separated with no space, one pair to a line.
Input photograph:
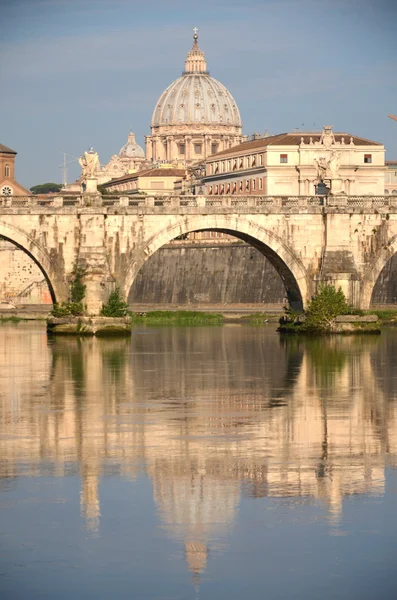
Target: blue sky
[76,73]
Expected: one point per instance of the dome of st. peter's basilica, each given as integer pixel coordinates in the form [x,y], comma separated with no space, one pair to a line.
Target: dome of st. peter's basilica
[194,117]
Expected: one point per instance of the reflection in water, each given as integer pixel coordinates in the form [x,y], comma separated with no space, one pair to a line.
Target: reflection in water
[208,414]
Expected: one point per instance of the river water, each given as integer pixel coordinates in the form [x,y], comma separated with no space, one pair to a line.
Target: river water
[185,463]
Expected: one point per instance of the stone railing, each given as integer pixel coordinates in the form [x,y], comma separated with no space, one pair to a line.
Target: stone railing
[261,204]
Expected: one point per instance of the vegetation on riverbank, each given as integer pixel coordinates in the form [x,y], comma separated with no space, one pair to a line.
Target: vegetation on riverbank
[321,316]
[385,316]
[182,317]
[115,306]
[74,307]
[10,319]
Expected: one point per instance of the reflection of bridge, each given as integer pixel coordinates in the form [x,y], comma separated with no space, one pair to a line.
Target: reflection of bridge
[342,239]
[317,426]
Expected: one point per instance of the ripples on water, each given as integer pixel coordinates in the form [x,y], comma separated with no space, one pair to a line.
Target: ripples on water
[197,462]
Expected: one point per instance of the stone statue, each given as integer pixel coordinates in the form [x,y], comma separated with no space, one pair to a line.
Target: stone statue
[89,163]
[333,165]
[328,168]
[322,168]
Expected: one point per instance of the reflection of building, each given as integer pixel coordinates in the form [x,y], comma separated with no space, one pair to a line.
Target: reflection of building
[298,164]
[317,426]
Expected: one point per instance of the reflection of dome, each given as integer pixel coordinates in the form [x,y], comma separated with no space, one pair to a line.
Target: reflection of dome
[131,149]
[196,98]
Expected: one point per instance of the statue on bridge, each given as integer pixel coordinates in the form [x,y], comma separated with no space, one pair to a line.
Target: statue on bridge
[89,163]
[328,168]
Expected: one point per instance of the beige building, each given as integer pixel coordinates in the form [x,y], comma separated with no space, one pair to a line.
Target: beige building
[159,181]
[391,177]
[298,164]
[194,117]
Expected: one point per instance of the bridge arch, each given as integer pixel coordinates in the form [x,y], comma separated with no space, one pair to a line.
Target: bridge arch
[374,269]
[283,258]
[47,266]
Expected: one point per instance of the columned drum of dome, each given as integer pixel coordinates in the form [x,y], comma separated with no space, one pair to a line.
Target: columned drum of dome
[194,117]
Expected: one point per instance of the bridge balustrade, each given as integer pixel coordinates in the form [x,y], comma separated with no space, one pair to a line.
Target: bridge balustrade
[224,203]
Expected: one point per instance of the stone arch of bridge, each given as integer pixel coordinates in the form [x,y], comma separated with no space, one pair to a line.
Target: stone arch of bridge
[283,258]
[373,270]
[30,246]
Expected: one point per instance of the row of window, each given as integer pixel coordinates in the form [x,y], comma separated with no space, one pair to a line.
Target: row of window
[198,149]
[242,162]
[248,185]
[392,192]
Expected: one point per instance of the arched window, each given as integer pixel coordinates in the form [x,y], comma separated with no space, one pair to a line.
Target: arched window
[386,191]
[7,170]
[394,191]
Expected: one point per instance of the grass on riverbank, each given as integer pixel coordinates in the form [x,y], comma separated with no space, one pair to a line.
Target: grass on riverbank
[182,317]
[260,318]
[10,319]
[386,316]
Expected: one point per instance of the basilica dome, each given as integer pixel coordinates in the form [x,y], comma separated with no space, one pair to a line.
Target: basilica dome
[131,149]
[194,117]
[196,98]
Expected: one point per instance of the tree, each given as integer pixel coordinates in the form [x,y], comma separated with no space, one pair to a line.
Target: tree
[115,307]
[324,307]
[46,188]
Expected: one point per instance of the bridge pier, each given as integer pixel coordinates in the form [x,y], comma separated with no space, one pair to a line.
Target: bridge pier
[349,283]
[93,260]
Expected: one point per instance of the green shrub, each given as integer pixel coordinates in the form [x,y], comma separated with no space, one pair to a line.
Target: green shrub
[74,307]
[68,309]
[324,307]
[115,306]
[77,287]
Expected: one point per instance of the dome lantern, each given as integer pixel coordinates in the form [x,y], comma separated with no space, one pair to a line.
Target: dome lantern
[195,61]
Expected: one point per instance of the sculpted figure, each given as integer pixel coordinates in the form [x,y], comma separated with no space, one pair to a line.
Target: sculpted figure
[89,163]
[334,164]
[322,168]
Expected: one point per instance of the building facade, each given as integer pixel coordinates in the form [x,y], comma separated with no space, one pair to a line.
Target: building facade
[391,177]
[298,164]
[155,181]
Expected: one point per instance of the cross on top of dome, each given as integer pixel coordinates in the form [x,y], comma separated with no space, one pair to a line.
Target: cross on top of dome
[195,61]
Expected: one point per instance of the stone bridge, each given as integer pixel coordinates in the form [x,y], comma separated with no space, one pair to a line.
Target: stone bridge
[343,240]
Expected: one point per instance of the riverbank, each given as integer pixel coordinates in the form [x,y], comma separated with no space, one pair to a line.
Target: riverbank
[238,314]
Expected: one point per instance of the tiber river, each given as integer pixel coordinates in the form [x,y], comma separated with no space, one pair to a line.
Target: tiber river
[184,463]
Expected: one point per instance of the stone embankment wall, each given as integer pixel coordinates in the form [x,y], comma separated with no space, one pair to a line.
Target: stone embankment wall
[21,280]
[205,273]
